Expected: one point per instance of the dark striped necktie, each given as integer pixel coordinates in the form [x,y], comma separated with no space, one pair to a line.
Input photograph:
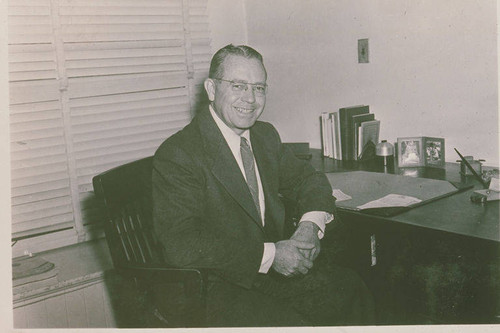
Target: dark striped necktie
[249,166]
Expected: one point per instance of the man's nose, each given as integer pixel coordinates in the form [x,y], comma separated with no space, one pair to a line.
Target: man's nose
[248,94]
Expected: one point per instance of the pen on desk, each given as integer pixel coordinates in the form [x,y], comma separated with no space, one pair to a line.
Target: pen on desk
[467,164]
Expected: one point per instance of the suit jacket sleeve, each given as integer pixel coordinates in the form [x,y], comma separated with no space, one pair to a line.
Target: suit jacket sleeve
[188,240]
[302,184]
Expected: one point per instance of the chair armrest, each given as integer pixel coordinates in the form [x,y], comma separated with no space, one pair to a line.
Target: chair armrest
[170,274]
[194,279]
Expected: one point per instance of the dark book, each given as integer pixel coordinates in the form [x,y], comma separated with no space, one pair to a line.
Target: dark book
[368,131]
[346,134]
[356,123]
[368,152]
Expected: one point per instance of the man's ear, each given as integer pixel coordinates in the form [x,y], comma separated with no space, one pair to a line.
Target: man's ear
[210,88]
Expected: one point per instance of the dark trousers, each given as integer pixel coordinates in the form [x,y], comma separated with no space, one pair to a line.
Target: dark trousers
[329,295]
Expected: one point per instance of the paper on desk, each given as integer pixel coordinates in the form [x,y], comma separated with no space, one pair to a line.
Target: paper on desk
[340,196]
[391,200]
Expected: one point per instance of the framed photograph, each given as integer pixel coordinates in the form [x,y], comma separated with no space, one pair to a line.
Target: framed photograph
[411,152]
[421,151]
[434,152]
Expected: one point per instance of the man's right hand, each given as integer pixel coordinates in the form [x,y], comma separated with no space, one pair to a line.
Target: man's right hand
[288,260]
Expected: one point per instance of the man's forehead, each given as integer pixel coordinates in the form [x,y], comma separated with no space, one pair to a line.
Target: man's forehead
[238,65]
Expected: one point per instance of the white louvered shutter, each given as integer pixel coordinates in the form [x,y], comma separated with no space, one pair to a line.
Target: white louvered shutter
[41,198]
[129,73]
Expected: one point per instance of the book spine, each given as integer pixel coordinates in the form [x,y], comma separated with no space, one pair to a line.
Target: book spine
[329,136]
[338,143]
[324,134]
[334,134]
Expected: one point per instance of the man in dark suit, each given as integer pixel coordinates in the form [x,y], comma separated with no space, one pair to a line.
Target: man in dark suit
[218,186]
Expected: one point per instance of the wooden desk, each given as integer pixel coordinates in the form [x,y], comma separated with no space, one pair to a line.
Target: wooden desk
[455,214]
[435,264]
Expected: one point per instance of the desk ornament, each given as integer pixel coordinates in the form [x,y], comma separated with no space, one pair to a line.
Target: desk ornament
[475,164]
[491,194]
[385,151]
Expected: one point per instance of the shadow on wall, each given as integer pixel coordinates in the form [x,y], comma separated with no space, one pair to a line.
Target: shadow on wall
[200,100]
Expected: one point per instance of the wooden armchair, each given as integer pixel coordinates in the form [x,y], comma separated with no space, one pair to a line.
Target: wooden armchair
[125,193]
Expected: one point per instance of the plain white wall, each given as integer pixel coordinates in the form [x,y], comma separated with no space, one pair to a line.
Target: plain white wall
[432,71]
[227,22]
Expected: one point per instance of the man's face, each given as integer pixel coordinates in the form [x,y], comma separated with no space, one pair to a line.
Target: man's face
[238,109]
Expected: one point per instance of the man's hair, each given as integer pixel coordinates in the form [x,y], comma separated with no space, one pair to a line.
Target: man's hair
[216,65]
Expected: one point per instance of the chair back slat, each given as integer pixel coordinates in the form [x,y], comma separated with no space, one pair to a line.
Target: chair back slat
[125,193]
[127,256]
[147,242]
[134,233]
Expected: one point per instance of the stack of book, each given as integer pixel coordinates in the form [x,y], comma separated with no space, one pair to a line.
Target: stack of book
[349,133]
[32,272]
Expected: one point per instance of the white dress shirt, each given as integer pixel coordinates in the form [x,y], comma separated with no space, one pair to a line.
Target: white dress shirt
[316,217]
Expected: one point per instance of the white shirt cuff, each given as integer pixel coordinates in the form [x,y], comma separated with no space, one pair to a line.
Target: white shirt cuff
[321,219]
[267,258]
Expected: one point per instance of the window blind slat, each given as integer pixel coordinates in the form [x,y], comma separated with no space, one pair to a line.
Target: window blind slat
[32,56]
[146,144]
[43,225]
[79,50]
[120,19]
[24,136]
[126,3]
[119,84]
[167,28]
[33,180]
[89,133]
[41,218]
[34,145]
[165,112]
[32,66]
[111,142]
[32,75]
[34,91]
[30,10]
[118,10]
[85,174]
[171,104]
[90,103]
[39,196]
[37,125]
[116,70]
[176,55]
[38,171]
[39,156]
[127,132]
[27,210]
[31,189]
[114,157]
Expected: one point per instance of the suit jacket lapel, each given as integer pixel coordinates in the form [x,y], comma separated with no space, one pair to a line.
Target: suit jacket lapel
[224,166]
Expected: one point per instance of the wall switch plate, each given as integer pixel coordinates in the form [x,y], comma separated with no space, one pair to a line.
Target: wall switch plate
[363,51]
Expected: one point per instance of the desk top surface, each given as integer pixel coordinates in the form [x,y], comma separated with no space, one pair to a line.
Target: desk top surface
[455,213]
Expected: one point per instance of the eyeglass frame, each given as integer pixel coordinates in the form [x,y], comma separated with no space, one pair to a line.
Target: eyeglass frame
[253,85]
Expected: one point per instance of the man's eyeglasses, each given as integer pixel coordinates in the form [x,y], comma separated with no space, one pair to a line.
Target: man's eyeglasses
[259,89]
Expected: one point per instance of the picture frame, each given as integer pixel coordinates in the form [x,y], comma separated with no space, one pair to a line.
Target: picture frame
[421,152]
[410,152]
[434,152]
